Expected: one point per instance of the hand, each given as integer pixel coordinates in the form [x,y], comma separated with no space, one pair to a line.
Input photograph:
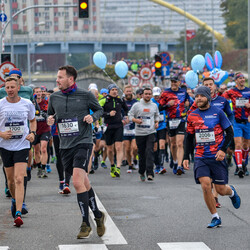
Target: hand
[247,105]
[138,121]
[30,137]
[112,113]
[248,118]
[50,120]
[156,125]
[171,103]
[88,119]
[186,164]
[6,135]
[220,155]
[125,120]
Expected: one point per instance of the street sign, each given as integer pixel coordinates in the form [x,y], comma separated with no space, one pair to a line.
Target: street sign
[3,17]
[134,81]
[145,73]
[165,58]
[165,70]
[5,68]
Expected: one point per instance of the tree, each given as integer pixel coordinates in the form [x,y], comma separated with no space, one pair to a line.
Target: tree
[79,60]
[235,15]
[200,44]
[148,29]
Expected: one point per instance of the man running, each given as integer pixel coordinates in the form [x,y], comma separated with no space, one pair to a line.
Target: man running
[75,131]
[15,138]
[240,96]
[213,133]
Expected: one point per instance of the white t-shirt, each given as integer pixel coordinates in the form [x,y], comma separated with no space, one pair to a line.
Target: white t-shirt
[14,117]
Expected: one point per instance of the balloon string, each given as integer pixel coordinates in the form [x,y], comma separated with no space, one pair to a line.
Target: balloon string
[108,75]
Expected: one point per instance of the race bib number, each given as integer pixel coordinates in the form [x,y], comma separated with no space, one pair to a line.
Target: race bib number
[174,123]
[146,122]
[128,132]
[17,129]
[161,118]
[205,137]
[240,102]
[68,127]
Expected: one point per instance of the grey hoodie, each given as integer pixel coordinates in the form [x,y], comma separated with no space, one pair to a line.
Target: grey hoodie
[149,113]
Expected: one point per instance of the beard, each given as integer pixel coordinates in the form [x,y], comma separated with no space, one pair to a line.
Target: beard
[128,97]
[202,104]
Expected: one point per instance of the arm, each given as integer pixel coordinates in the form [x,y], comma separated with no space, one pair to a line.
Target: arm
[31,136]
[124,107]
[228,138]
[229,112]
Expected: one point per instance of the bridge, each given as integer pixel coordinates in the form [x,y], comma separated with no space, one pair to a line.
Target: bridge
[90,43]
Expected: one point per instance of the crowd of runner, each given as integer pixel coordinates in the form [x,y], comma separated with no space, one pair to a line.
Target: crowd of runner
[149,131]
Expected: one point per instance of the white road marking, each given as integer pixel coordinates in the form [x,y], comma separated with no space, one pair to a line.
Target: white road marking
[112,236]
[183,246]
[4,248]
[82,247]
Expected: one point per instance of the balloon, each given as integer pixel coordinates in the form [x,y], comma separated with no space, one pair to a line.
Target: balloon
[100,60]
[198,63]
[209,62]
[191,79]
[217,59]
[121,69]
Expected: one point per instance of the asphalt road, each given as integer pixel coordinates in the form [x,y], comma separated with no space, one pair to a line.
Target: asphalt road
[140,215]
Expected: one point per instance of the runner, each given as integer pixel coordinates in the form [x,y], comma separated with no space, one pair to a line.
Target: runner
[145,115]
[129,133]
[174,100]
[15,141]
[112,106]
[43,135]
[213,133]
[74,123]
[240,96]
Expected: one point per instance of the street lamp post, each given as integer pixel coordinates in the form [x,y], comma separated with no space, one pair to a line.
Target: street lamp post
[28,50]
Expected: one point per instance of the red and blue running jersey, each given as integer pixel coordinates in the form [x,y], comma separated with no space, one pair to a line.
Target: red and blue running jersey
[208,127]
[239,98]
[178,109]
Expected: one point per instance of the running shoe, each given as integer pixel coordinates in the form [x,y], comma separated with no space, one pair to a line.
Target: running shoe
[28,174]
[218,205]
[44,175]
[117,172]
[18,219]
[157,169]
[7,193]
[180,170]
[162,170]
[39,173]
[100,227]
[124,163]
[24,209]
[61,185]
[246,172]
[92,171]
[53,159]
[241,172]
[216,222]
[175,168]
[142,177]
[112,172]
[103,164]
[135,165]
[85,231]
[236,170]
[235,199]
[95,163]
[130,169]
[66,189]
[13,208]
[171,164]
[48,168]
[150,177]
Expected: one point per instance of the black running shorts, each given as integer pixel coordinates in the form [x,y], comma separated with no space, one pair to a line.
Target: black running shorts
[11,157]
[113,135]
[76,157]
[43,137]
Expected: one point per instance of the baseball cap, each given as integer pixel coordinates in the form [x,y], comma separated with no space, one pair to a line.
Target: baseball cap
[174,78]
[92,86]
[156,91]
[104,91]
[15,71]
[139,91]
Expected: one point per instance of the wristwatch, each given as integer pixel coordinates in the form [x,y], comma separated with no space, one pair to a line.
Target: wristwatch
[33,132]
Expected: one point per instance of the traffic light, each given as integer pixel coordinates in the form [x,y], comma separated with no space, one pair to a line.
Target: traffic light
[158,65]
[83,8]
[5,57]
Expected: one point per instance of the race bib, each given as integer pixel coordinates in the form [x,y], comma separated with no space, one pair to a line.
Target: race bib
[68,127]
[240,102]
[128,132]
[161,118]
[205,137]
[174,123]
[17,129]
[146,122]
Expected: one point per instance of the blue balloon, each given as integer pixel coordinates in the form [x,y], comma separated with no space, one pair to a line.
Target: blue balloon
[121,69]
[198,63]
[191,79]
[100,60]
